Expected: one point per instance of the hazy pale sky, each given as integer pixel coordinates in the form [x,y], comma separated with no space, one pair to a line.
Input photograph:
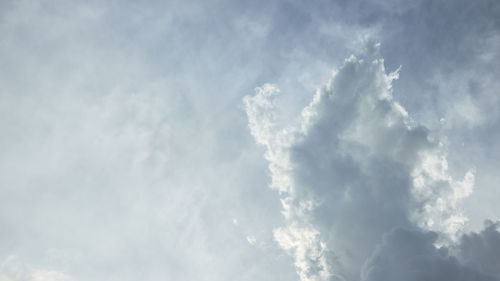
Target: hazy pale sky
[325,140]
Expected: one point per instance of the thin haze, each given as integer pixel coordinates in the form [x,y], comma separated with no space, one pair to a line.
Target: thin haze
[249,140]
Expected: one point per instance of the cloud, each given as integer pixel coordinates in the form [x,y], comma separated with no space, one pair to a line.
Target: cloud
[125,154]
[11,269]
[352,169]
[482,250]
[411,255]
[251,240]
[311,255]
[117,162]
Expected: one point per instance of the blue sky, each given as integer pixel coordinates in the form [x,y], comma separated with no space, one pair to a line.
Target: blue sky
[258,140]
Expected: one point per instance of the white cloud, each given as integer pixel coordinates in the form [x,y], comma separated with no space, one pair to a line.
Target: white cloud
[251,240]
[11,269]
[310,253]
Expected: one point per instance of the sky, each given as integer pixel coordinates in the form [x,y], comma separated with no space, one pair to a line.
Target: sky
[215,140]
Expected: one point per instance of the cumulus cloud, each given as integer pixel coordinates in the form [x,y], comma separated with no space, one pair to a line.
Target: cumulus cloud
[354,170]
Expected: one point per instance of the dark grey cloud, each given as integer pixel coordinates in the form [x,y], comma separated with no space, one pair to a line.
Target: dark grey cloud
[482,250]
[411,255]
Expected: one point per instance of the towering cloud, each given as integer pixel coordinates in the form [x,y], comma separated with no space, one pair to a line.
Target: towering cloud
[366,192]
